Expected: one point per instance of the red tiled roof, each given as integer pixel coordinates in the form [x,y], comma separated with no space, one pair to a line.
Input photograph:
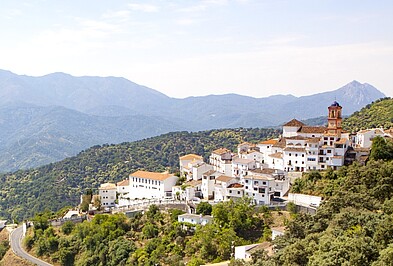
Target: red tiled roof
[236,185]
[294,123]
[123,183]
[295,149]
[224,178]
[221,151]
[276,155]
[191,157]
[308,129]
[280,143]
[151,175]
[270,141]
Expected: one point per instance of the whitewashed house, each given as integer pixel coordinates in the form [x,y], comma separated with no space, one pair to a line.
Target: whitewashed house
[198,170]
[240,166]
[151,185]
[221,160]
[187,162]
[246,252]
[364,138]
[260,188]
[107,194]
[188,191]
[208,182]
[221,187]
[281,180]
[194,219]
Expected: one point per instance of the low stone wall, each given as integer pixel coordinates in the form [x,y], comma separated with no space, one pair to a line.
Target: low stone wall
[60,222]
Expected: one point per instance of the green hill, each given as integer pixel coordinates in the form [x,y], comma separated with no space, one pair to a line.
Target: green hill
[56,185]
[376,114]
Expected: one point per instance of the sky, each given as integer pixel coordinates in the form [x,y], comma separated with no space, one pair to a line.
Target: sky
[192,48]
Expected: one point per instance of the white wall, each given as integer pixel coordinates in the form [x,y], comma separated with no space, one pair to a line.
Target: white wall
[304,200]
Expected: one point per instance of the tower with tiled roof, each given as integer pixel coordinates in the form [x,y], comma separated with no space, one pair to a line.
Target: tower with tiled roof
[334,119]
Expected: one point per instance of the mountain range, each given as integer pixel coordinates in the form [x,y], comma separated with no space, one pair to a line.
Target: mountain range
[45,119]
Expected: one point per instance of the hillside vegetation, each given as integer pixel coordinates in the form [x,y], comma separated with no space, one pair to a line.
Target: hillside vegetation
[375,115]
[353,226]
[53,186]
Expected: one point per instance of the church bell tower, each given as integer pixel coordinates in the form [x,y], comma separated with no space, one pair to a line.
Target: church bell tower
[334,119]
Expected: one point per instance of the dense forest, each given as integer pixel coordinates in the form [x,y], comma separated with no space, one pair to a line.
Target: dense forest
[53,186]
[377,114]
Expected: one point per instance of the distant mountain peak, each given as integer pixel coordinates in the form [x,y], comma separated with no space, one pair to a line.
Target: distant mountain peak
[354,83]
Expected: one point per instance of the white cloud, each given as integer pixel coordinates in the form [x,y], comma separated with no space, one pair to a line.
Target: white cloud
[121,14]
[144,7]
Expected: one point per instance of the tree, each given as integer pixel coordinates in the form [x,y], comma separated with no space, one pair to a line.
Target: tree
[67,227]
[381,149]
[204,208]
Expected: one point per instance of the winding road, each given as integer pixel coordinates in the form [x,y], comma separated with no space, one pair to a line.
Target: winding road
[16,245]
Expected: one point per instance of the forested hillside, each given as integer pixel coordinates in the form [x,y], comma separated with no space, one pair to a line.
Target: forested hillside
[353,226]
[53,186]
[377,114]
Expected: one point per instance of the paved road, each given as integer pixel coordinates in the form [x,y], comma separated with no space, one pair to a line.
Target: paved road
[16,239]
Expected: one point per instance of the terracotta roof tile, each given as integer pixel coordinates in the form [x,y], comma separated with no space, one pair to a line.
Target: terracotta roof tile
[107,186]
[296,138]
[224,178]
[276,155]
[294,123]
[308,129]
[270,141]
[280,143]
[151,175]
[236,185]
[295,149]
[191,157]
[313,140]
[268,171]
[342,141]
[221,151]
[123,183]
[210,172]
[193,183]
[242,161]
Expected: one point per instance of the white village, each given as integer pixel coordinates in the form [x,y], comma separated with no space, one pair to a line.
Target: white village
[264,171]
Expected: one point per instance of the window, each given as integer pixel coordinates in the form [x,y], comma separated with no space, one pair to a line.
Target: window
[255,189]
[230,191]
[302,155]
[246,181]
[290,154]
[262,190]
[264,182]
[329,151]
[256,183]
[246,187]
[238,192]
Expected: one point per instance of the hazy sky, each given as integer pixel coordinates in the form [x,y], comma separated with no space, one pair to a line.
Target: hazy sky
[182,48]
